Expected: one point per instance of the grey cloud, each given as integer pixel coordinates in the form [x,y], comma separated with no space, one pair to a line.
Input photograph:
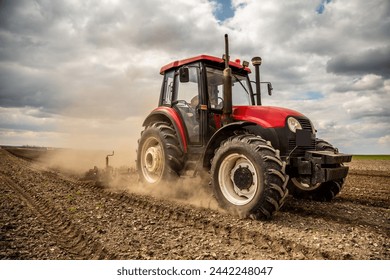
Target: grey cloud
[373,108]
[27,119]
[37,34]
[366,85]
[23,126]
[44,54]
[371,127]
[20,87]
[372,61]
[35,18]
[160,26]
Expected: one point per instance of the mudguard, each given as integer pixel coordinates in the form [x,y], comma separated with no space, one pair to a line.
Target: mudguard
[169,114]
[220,135]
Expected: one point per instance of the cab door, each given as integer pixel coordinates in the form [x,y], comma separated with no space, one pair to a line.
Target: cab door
[187,101]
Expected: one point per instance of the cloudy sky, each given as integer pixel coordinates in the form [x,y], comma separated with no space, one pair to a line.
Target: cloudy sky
[85,73]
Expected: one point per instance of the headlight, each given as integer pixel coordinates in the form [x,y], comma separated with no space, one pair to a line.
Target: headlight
[293,124]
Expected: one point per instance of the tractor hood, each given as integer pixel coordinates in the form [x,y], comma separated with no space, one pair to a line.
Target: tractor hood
[265,116]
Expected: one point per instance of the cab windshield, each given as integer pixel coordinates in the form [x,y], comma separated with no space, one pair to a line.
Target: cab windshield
[241,90]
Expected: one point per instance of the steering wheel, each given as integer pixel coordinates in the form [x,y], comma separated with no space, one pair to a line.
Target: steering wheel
[188,106]
[220,103]
[181,101]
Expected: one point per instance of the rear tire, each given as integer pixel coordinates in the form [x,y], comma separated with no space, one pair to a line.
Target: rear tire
[321,192]
[248,177]
[159,157]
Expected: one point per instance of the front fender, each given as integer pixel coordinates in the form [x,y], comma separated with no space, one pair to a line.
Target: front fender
[220,135]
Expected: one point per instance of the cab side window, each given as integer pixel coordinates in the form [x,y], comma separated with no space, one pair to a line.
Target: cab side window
[215,88]
[168,88]
[189,91]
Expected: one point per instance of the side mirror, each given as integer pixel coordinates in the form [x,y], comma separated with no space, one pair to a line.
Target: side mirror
[184,75]
[270,88]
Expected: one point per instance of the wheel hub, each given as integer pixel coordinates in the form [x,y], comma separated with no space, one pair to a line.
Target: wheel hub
[242,177]
[152,159]
[238,179]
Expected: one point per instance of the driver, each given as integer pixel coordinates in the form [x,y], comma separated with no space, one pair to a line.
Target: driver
[213,96]
[194,101]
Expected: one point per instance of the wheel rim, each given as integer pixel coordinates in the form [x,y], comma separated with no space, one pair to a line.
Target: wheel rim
[152,160]
[238,179]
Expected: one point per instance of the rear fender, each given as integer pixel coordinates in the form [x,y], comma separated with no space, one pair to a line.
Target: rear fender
[169,115]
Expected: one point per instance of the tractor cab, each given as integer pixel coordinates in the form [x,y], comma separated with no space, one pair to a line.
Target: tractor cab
[194,88]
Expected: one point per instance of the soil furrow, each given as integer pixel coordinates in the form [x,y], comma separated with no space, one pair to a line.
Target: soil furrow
[343,212]
[49,215]
[53,221]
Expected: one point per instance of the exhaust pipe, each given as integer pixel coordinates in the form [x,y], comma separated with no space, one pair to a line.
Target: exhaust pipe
[227,86]
[256,62]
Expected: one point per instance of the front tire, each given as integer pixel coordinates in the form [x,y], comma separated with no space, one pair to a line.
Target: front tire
[248,177]
[159,157]
[320,192]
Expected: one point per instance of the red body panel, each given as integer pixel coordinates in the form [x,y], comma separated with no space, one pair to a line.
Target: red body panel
[265,116]
[178,63]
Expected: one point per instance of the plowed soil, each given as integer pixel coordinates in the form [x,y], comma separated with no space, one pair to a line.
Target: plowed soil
[46,214]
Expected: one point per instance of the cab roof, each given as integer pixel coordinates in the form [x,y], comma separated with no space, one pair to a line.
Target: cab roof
[214,60]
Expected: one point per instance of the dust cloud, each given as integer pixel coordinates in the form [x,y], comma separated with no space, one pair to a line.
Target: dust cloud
[87,142]
[123,177]
[90,141]
[190,190]
[185,190]
[78,162]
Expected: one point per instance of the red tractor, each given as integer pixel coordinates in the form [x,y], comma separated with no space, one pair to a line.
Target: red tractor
[210,119]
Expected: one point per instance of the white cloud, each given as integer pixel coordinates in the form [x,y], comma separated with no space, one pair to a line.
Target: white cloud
[368,82]
[385,140]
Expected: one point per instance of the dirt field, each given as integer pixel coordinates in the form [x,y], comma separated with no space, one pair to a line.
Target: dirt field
[46,214]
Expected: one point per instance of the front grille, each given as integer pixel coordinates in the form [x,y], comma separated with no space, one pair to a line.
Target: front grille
[295,151]
[306,124]
[299,151]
